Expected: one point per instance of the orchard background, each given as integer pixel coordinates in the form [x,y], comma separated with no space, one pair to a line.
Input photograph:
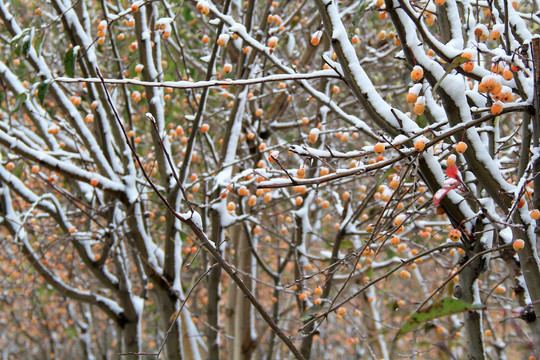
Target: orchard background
[269,179]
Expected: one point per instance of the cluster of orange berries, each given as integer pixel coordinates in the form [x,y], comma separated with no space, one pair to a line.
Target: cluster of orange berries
[136,96]
[203,6]
[164,25]
[483,34]
[75,100]
[102,30]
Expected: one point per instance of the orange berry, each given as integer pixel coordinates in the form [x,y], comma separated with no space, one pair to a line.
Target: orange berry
[518,244]
[399,220]
[243,191]
[411,98]
[94,182]
[461,147]
[227,68]
[318,291]
[35,169]
[259,112]
[508,75]
[395,241]
[205,128]
[404,274]
[341,311]
[10,166]
[468,67]
[205,39]
[313,135]
[495,35]
[223,39]
[272,42]
[71,230]
[419,145]
[135,8]
[535,214]
[273,156]
[497,108]
[325,204]
[379,148]
[324,171]
[417,73]
[231,206]
[298,200]
[454,235]
[316,37]
[252,200]
[419,109]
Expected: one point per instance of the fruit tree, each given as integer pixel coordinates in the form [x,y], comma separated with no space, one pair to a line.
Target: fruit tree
[269,179]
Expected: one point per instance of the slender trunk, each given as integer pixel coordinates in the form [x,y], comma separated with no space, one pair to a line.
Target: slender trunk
[230,311]
[167,306]
[536,122]
[372,324]
[214,294]
[131,339]
[468,291]
[244,344]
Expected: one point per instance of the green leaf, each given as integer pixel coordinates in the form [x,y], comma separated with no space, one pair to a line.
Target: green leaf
[188,15]
[447,306]
[42,91]
[71,332]
[69,61]
[458,60]
[18,40]
[19,100]
[358,14]
[38,42]
[310,313]
[421,121]
[27,42]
